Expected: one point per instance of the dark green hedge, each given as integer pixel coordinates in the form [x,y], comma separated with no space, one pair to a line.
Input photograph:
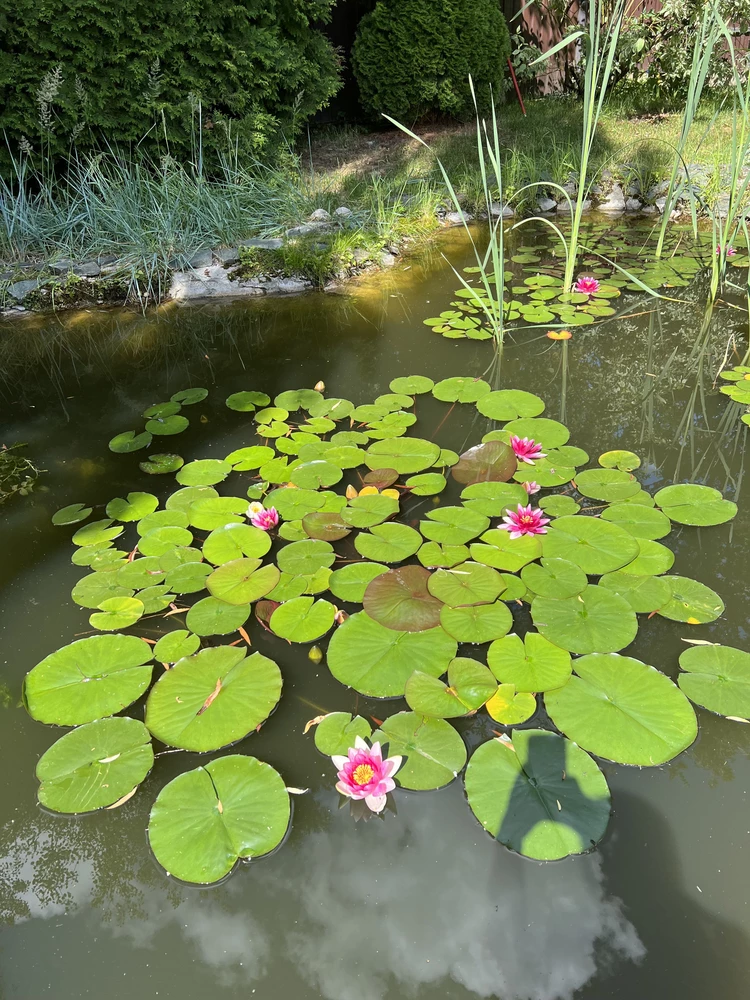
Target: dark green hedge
[415,56]
[127,69]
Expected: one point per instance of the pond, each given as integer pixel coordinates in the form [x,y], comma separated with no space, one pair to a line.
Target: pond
[423,904]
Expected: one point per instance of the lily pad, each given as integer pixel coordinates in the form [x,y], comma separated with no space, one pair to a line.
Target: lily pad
[167,426]
[426,484]
[606,484]
[302,619]
[532,664]
[242,581]
[305,558]
[214,617]
[548,433]
[404,454]
[453,525]
[461,389]
[155,598]
[639,520]
[175,645]
[246,401]
[491,461]
[298,399]
[116,613]
[233,541]
[653,559]
[627,461]
[188,397]
[388,543]
[160,540]
[213,698]
[557,578]
[337,731]
[717,678]
[71,514]
[350,582]
[252,457]
[469,583]
[188,578]
[594,545]
[162,463]
[510,707]
[216,512]
[539,795]
[184,499]
[434,752]
[88,679]
[499,550]
[477,623]
[412,385]
[316,475]
[595,621]
[92,590]
[95,765]
[135,507]
[691,602]
[123,444]
[97,533]
[469,686]
[204,472]
[434,554]
[695,505]
[204,820]
[400,600]
[378,661]
[623,710]
[643,593]
[509,404]
[369,510]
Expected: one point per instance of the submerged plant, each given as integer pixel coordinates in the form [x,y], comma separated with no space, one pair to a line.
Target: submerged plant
[582,567]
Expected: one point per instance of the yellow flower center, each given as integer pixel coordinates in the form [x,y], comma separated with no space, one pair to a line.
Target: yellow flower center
[526,519]
[363,774]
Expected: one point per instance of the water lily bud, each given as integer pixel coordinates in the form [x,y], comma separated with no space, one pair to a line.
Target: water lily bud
[315,655]
[320,387]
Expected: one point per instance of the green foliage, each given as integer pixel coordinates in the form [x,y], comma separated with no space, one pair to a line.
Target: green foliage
[80,69]
[415,56]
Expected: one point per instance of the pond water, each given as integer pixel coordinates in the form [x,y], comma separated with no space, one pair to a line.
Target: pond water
[423,905]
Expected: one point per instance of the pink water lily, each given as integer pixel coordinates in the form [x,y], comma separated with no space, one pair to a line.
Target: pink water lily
[531,487]
[363,774]
[524,521]
[731,252]
[526,449]
[586,285]
[263,518]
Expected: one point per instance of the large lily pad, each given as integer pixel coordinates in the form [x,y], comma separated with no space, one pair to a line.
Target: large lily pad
[204,820]
[539,795]
[217,512]
[688,503]
[433,554]
[97,587]
[302,619]
[213,698]
[595,621]
[478,622]
[369,510]
[95,765]
[404,454]
[717,678]
[499,550]
[174,645]
[133,508]
[493,499]
[469,686]
[691,602]
[529,664]
[453,525]
[644,594]
[306,557]
[88,679]
[214,617]
[653,559]
[639,520]
[337,731]
[434,752]
[594,545]
[461,389]
[607,484]
[388,543]
[557,578]
[509,404]
[411,384]
[350,582]
[378,661]
[491,461]
[233,541]
[469,583]
[548,433]
[242,581]
[624,710]
[117,613]
[400,600]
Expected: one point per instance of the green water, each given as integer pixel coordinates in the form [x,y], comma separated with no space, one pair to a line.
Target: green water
[423,905]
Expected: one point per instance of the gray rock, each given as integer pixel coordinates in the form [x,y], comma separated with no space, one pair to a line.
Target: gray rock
[105,259]
[204,258]
[660,204]
[547,205]
[5,276]
[563,207]
[360,255]
[507,211]
[62,266]
[20,289]
[309,227]
[343,212]
[570,188]
[596,190]
[633,205]
[320,215]
[214,282]
[648,209]
[722,205]
[633,189]
[657,191]
[88,269]
[387,260]
[268,244]
[227,255]
[458,218]
[615,202]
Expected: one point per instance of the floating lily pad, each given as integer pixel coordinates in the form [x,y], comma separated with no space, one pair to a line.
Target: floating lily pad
[411,384]
[717,678]
[532,664]
[204,820]
[298,399]
[509,404]
[469,686]
[557,578]
[302,619]
[136,506]
[242,581]
[88,679]
[129,441]
[92,590]
[493,499]
[161,540]
[188,578]
[71,514]
[453,525]
[378,661]
[216,512]
[163,463]
[691,602]
[469,583]
[166,426]
[246,402]
[175,645]
[213,698]
[624,710]
[477,623]
[252,457]
[607,484]
[184,499]
[627,461]
[405,455]
[491,461]
[639,520]
[400,600]
[97,532]
[653,559]
[499,550]
[460,389]
[434,752]
[145,572]
[510,707]
[214,617]
[643,593]
[315,475]
[388,543]
[426,484]
[233,541]
[116,613]
[95,765]
[369,510]
[305,558]
[337,731]
[594,545]
[695,505]
[204,472]
[188,397]
[433,554]
[540,795]
[350,582]
[332,407]
[595,621]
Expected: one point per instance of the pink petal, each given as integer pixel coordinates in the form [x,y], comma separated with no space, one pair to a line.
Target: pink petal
[339,762]
[391,765]
[343,788]
[359,744]
[376,803]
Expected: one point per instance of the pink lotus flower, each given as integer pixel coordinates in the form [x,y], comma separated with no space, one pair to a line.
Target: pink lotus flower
[524,521]
[731,252]
[363,774]
[586,285]
[526,449]
[262,518]
[531,487]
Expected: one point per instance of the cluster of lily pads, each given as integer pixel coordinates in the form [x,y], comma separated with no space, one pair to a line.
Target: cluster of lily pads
[436,614]
[533,292]
[738,389]
[162,420]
